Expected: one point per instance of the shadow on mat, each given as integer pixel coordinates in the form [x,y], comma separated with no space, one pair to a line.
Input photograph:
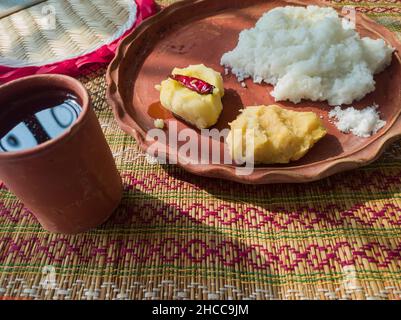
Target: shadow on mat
[180,239]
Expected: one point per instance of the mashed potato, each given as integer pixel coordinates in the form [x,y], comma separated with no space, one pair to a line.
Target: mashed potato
[276,134]
[307,53]
[203,111]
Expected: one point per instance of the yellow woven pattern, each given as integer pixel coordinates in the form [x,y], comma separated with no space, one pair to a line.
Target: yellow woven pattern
[59,30]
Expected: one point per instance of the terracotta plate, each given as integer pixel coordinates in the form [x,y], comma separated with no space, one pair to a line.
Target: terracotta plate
[193,32]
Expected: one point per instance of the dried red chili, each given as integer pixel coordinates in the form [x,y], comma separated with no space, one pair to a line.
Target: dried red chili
[194,84]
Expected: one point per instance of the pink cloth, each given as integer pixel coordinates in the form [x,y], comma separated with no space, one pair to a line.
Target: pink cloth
[74,66]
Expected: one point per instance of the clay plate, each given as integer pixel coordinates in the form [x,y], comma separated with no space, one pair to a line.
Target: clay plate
[193,32]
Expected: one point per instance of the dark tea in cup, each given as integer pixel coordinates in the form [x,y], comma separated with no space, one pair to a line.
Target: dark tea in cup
[32,120]
[53,154]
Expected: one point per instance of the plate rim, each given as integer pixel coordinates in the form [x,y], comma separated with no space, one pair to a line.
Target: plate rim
[260,175]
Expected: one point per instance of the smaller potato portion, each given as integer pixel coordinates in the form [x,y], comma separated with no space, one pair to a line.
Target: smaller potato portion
[279,135]
[201,110]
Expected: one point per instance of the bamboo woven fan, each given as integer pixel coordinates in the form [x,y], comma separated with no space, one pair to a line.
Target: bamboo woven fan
[41,32]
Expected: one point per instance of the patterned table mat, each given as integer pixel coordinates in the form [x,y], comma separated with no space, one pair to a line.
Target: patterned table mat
[179,236]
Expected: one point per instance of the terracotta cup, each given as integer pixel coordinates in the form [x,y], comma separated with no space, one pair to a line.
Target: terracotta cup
[70,183]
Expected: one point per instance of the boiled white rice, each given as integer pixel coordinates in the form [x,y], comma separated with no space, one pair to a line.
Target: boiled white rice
[308,53]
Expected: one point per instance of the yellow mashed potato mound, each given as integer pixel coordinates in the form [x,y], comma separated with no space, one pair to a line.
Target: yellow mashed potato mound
[280,135]
[203,111]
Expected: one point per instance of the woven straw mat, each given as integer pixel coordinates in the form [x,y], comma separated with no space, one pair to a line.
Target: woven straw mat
[54,30]
[179,236]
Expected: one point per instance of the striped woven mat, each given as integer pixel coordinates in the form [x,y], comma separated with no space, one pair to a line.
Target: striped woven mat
[178,236]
